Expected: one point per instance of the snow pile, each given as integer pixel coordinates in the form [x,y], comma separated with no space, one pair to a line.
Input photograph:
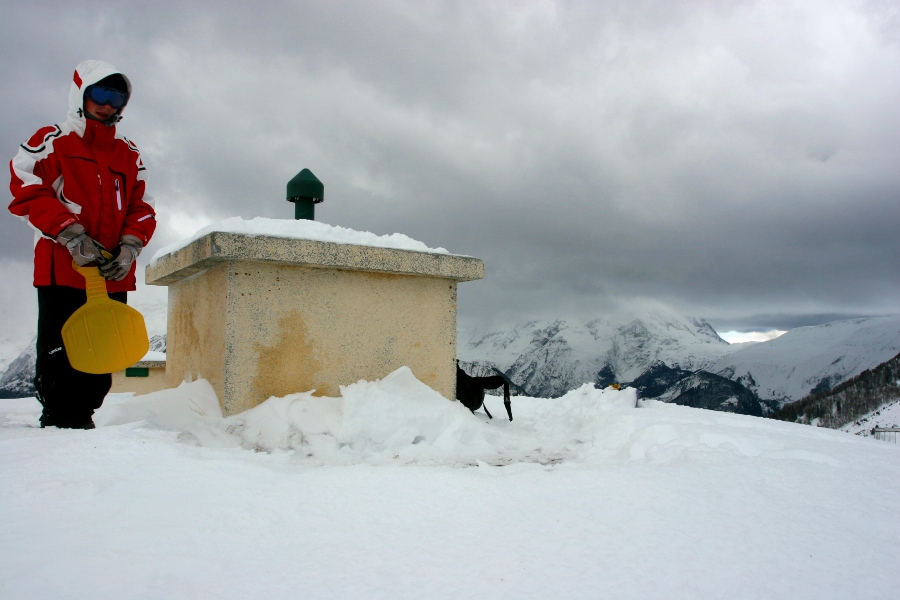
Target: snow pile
[171,409]
[400,420]
[395,420]
[302,230]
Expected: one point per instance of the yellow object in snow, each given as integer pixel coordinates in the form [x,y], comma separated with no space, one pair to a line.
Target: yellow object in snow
[103,336]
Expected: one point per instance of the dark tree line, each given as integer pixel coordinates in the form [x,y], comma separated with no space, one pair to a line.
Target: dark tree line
[848,401]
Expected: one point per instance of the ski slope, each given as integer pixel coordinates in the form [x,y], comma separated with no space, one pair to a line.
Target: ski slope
[391,491]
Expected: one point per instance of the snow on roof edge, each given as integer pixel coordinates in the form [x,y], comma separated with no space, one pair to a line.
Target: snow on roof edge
[302,230]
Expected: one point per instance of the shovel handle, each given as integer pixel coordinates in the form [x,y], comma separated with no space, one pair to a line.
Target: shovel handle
[94,282]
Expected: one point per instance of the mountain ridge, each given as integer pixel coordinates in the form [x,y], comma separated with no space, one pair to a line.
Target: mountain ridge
[848,401]
[549,358]
[682,360]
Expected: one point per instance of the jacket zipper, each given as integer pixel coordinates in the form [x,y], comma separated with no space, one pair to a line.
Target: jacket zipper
[118,196]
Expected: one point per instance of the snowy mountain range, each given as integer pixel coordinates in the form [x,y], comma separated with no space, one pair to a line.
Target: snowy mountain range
[17,380]
[859,399]
[549,358]
[812,359]
[681,360]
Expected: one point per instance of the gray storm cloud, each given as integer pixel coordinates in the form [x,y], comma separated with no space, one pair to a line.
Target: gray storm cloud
[735,160]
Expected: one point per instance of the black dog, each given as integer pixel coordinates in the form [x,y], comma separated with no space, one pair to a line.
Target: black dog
[470,390]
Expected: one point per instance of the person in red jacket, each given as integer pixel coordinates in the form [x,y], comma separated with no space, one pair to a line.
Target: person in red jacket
[80,185]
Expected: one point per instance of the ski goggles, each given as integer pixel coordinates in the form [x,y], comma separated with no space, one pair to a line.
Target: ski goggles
[105,95]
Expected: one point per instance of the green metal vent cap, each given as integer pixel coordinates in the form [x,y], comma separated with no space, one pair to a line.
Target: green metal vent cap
[305,186]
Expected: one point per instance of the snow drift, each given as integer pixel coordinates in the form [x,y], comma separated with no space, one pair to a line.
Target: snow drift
[400,420]
[390,491]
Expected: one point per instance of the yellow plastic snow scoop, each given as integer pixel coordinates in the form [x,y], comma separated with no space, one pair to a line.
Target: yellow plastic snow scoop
[103,336]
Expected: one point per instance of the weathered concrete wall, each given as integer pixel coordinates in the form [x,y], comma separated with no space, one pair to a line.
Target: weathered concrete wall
[197,327]
[321,328]
[255,327]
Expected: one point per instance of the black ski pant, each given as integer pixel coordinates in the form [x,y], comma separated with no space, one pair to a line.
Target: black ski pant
[69,397]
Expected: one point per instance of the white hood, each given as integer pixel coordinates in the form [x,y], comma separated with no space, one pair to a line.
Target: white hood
[88,73]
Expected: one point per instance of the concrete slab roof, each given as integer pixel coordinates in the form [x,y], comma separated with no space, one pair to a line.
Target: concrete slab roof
[218,246]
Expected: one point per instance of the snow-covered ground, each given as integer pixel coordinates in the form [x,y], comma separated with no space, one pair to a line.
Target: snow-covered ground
[390,491]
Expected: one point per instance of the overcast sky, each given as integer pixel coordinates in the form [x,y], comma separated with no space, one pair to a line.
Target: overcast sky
[736,161]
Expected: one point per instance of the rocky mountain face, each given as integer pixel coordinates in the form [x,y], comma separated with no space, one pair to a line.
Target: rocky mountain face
[807,360]
[675,359]
[547,358]
[700,389]
[17,381]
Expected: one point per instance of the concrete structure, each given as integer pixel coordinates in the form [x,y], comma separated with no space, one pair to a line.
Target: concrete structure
[142,378]
[261,316]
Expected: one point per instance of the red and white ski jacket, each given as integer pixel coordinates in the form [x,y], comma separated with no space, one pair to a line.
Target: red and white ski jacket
[80,171]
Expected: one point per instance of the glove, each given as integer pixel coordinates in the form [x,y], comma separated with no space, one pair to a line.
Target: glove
[123,257]
[83,249]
